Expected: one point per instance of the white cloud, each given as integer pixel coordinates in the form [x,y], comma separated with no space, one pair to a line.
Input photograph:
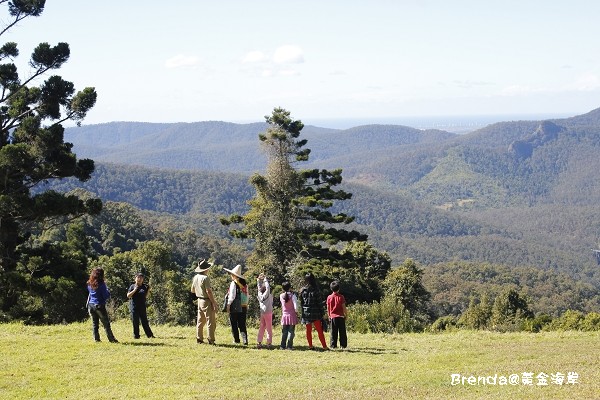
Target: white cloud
[180,61]
[254,57]
[289,72]
[468,84]
[586,83]
[288,54]
[516,90]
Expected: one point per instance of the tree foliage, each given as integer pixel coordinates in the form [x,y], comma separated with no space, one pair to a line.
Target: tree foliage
[404,285]
[32,152]
[290,218]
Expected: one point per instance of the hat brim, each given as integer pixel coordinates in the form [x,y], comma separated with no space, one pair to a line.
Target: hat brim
[233,273]
[202,264]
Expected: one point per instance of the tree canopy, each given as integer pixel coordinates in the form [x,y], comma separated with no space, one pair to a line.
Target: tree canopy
[32,149]
[290,220]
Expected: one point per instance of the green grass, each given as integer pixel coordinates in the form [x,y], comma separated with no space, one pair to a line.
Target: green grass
[62,361]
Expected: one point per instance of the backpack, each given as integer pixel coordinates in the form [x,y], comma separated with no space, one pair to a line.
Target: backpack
[236,306]
[243,295]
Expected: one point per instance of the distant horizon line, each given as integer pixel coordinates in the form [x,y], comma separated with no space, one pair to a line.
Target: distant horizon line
[450,123]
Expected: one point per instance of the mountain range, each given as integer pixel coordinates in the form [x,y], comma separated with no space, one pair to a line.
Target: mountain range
[514,192]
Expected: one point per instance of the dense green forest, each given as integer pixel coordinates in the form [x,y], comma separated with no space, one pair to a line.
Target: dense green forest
[491,229]
[508,240]
[517,196]
[403,227]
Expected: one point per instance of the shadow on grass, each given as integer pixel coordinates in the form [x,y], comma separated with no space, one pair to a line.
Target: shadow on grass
[147,344]
[358,350]
[370,350]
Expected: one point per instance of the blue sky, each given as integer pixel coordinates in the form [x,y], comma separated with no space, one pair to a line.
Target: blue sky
[185,61]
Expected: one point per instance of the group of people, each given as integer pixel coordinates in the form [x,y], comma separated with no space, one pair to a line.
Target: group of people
[98,296]
[309,311]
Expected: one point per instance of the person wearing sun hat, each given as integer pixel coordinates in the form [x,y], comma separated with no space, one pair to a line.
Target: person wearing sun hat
[237,304]
[206,303]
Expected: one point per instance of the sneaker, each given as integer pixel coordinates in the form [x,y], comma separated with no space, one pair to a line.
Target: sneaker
[259,346]
[113,340]
[199,341]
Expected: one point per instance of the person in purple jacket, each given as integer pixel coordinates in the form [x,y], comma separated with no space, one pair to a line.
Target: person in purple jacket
[96,304]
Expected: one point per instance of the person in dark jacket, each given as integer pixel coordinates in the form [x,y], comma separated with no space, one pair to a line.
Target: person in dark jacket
[137,294]
[237,304]
[98,295]
[312,310]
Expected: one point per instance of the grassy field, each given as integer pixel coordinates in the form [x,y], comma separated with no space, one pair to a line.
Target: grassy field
[52,362]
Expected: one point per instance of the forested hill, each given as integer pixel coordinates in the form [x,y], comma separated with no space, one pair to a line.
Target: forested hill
[515,193]
[515,163]
[551,237]
[229,147]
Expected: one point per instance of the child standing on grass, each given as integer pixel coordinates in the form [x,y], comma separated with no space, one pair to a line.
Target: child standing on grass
[336,310]
[137,294]
[312,310]
[289,318]
[265,301]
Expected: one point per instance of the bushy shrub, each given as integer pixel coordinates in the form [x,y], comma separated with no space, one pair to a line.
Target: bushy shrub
[478,315]
[536,324]
[446,323]
[510,311]
[576,321]
[569,320]
[386,316]
[591,322]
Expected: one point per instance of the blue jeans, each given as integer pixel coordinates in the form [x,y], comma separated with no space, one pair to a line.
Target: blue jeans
[99,314]
[287,336]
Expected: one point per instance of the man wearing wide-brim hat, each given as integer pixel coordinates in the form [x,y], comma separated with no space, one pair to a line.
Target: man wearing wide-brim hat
[207,306]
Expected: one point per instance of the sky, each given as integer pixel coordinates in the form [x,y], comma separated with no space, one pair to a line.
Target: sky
[376,60]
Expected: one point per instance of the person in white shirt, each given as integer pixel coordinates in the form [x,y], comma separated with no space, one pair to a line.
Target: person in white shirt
[265,302]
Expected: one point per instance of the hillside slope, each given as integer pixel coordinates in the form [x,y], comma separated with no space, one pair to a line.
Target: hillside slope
[505,164]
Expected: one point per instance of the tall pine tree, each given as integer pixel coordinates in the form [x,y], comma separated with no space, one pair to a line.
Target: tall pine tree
[32,149]
[290,219]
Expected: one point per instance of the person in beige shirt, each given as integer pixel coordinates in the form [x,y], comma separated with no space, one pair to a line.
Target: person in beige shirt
[207,306]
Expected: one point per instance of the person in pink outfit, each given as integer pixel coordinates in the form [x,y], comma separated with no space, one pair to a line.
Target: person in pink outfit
[265,302]
[289,316]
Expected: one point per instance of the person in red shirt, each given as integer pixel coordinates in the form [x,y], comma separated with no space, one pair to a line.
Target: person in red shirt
[336,310]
